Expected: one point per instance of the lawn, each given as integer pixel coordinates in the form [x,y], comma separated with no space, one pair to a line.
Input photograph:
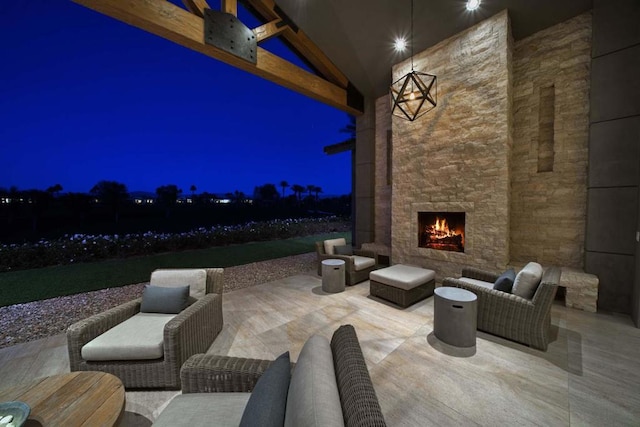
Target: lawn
[42,283]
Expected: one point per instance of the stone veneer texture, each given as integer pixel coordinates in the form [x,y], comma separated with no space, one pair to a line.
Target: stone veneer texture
[548,209]
[383,179]
[456,157]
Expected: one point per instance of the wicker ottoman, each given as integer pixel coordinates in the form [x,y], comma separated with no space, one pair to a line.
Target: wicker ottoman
[402,284]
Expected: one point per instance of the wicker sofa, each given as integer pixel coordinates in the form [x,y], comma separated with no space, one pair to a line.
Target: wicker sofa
[357,266]
[215,389]
[190,332]
[511,316]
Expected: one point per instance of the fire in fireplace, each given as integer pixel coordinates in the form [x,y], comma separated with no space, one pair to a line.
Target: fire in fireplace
[441,230]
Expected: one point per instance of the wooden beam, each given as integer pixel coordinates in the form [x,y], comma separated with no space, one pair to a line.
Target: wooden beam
[173,23]
[268,10]
[268,30]
[196,7]
[229,6]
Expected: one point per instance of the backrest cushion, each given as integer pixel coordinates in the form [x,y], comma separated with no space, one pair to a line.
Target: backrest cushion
[266,406]
[169,300]
[343,250]
[358,398]
[504,282]
[527,280]
[195,278]
[313,393]
[329,245]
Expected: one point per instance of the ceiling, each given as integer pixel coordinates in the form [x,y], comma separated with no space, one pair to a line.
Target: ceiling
[358,35]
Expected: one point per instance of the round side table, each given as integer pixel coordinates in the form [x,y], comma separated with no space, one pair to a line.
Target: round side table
[455,316]
[333,275]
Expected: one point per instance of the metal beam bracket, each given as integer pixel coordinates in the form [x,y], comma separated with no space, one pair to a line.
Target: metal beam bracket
[228,33]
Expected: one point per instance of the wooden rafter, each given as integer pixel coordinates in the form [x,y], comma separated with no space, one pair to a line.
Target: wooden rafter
[268,11]
[268,30]
[196,7]
[173,23]
[229,6]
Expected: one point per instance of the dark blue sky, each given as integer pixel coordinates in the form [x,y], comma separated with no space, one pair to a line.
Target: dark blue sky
[84,97]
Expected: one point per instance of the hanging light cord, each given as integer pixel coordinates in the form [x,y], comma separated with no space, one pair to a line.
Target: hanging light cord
[411,35]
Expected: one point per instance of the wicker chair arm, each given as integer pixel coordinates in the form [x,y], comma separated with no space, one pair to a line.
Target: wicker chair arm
[193,330]
[87,329]
[478,274]
[205,373]
[215,281]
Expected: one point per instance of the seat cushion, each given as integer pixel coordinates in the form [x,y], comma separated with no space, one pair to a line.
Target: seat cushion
[362,262]
[204,409]
[527,280]
[329,245]
[195,278]
[403,276]
[138,338]
[158,299]
[313,398]
[266,406]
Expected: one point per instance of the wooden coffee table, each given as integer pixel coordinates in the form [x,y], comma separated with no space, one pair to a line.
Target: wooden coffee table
[75,399]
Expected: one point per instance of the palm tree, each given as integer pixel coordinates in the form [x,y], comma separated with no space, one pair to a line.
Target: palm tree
[193,190]
[297,190]
[283,184]
[317,190]
[310,189]
[168,196]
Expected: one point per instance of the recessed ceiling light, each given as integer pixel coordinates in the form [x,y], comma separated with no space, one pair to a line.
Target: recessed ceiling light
[473,4]
[400,45]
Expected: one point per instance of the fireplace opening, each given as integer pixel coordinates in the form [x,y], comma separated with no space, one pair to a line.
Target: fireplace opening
[441,230]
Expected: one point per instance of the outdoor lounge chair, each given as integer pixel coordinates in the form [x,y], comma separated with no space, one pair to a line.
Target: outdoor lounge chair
[504,314]
[147,349]
[358,263]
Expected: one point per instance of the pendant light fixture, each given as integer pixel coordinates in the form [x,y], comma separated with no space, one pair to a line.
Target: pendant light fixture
[415,93]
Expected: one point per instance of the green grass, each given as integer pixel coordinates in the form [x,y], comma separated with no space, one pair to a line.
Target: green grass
[42,283]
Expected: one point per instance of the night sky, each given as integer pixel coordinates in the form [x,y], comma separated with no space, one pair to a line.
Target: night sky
[85,98]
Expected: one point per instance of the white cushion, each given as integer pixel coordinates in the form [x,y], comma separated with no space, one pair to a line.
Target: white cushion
[140,337]
[403,276]
[527,280]
[195,278]
[329,245]
[362,262]
[477,282]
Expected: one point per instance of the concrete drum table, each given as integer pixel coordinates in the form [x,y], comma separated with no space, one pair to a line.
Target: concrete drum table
[455,316]
[333,279]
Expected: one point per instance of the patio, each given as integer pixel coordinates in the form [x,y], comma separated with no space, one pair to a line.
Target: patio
[589,375]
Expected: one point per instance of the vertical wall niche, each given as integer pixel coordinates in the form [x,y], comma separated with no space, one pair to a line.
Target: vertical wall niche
[545,128]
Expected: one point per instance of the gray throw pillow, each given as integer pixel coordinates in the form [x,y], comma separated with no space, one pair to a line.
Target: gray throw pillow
[158,299]
[527,280]
[504,282]
[343,250]
[267,404]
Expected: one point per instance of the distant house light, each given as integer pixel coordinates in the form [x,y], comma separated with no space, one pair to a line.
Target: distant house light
[150,201]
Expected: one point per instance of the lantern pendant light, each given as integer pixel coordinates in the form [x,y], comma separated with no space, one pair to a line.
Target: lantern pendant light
[415,93]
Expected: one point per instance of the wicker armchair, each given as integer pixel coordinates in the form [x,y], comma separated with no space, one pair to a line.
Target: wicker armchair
[510,316]
[353,273]
[190,332]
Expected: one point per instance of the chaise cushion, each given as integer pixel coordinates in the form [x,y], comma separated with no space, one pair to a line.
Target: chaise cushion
[195,278]
[403,276]
[193,409]
[527,280]
[504,282]
[362,262]
[158,299]
[266,406]
[329,245]
[138,338]
[313,398]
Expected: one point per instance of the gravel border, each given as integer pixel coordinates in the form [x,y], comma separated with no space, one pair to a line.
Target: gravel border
[21,323]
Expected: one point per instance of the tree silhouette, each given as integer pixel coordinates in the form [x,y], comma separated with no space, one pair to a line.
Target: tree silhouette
[283,184]
[38,201]
[193,189]
[54,189]
[350,128]
[297,190]
[310,189]
[168,196]
[78,203]
[266,193]
[238,196]
[111,193]
[317,190]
